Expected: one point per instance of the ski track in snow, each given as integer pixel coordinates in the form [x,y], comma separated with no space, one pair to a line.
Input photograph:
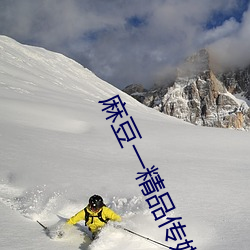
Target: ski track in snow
[43,117]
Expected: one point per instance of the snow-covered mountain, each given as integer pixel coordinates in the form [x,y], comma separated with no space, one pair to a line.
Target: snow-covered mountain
[57,149]
[201,95]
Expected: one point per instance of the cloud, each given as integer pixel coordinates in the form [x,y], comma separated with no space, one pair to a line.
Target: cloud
[233,48]
[126,42]
[228,28]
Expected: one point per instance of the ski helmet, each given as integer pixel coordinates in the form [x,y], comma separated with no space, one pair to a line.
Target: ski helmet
[95,202]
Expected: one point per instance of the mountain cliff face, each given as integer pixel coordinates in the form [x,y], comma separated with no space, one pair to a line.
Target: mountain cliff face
[200,96]
[237,81]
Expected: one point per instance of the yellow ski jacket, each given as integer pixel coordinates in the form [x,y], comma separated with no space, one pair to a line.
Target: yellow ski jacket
[94,223]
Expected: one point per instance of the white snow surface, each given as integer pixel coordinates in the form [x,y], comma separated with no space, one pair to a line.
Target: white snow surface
[57,149]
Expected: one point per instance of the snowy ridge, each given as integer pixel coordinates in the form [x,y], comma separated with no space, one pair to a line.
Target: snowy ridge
[57,149]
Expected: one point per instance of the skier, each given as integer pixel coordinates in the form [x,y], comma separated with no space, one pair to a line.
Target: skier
[95,214]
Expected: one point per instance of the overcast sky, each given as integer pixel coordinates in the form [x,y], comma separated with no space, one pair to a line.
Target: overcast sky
[131,41]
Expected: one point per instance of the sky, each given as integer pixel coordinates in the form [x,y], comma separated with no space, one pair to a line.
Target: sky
[136,41]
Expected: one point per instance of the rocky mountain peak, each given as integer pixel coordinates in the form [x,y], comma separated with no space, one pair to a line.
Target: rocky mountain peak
[196,64]
[200,96]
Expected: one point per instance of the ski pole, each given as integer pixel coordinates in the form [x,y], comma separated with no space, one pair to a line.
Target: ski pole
[45,228]
[146,238]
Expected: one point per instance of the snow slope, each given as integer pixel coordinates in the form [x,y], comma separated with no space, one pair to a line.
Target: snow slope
[57,149]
